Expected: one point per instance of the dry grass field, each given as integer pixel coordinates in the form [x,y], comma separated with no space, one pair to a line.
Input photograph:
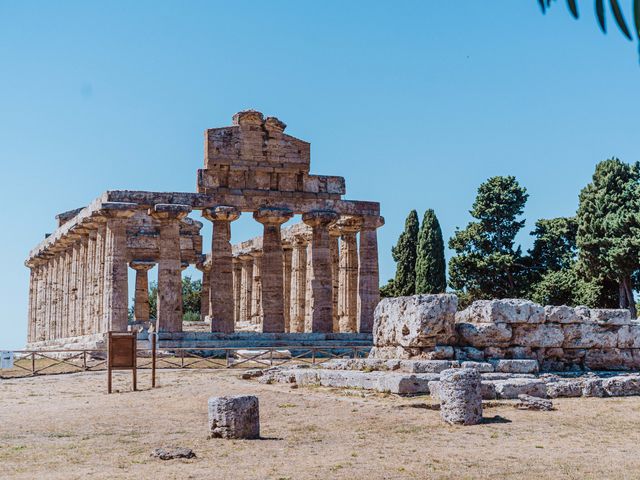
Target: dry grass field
[67,427]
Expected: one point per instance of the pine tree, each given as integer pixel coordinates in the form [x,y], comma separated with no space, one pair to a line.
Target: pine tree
[430,263]
[404,254]
[609,227]
[486,264]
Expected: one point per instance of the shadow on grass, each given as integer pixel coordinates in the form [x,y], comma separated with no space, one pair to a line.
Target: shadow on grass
[495,419]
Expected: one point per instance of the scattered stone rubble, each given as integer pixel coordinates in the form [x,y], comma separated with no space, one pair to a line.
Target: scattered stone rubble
[172,453]
[527,402]
[499,380]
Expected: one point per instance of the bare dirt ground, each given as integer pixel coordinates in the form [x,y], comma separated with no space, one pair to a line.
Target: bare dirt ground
[66,426]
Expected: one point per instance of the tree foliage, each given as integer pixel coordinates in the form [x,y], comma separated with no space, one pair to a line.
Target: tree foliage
[608,234]
[600,11]
[190,298]
[486,264]
[404,254]
[430,262]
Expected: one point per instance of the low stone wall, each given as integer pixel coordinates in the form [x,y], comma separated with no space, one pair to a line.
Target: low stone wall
[560,338]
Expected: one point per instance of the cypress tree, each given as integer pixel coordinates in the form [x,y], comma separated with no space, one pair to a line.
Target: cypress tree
[404,254]
[430,264]
[609,227]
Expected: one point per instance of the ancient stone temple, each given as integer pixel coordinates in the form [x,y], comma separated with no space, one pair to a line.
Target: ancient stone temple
[317,276]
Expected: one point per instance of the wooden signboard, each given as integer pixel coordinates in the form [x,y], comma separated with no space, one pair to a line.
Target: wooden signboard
[121,354]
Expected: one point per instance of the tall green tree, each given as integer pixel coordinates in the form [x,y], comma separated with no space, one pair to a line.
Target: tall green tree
[486,263]
[430,263]
[608,233]
[552,276]
[404,254]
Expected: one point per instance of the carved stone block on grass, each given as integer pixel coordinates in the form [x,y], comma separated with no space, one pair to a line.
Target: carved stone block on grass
[234,417]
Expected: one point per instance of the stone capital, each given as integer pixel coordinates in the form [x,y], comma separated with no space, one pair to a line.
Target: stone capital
[169,211]
[347,225]
[319,218]
[248,118]
[117,209]
[372,222]
[221,212]
[184,265]
[300,240]
[274,124]
[141,265]
[245,257]
[272,215]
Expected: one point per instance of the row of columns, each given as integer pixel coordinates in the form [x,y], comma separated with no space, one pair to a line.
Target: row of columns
[317,284]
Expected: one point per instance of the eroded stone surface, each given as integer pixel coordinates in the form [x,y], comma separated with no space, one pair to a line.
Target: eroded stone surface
[460,396]
[234,417]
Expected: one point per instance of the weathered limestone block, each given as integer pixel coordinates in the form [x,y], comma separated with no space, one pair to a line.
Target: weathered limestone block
[610,316]
[427,366]
[511,388]
[234,417]
[527,402]
[482,367]
[460,396]
[564,388]
[589,335]
[484,334]
[608,359]
[515,366]
[546,335]
[502,311]
[565,314]
[416,321]
[592,387]
[622,386]
[629,336]
[469,353]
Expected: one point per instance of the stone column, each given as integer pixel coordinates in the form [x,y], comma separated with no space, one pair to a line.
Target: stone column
[246,287]
[321,308]
[272,268]
[74,287]
[58,292]
[221,285]
[307,290]
[256,289]
[286,279]
[334,249]
[38,314]
[66,289]
[115,293]
[101,234]
[33,295]
[368,274]
[348,275]
[48,300]
[298,284]
[169,266]
[205,268]
[91,321]
[237,288]
[85,321]
[141,296]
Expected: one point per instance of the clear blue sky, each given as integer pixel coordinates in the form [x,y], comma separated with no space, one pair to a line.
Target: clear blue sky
[415,103]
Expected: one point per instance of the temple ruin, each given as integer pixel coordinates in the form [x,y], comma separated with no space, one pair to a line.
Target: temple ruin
[319,276]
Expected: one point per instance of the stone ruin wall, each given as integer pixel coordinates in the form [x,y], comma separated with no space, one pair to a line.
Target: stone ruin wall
[560,338]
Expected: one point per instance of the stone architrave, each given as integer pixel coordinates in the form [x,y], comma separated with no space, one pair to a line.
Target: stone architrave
[298,284]
[348,274]
[321,307]
[246,282]
[115,288]
[141,297]
[369,275]
[169,266]
[272,268]
[221,276]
